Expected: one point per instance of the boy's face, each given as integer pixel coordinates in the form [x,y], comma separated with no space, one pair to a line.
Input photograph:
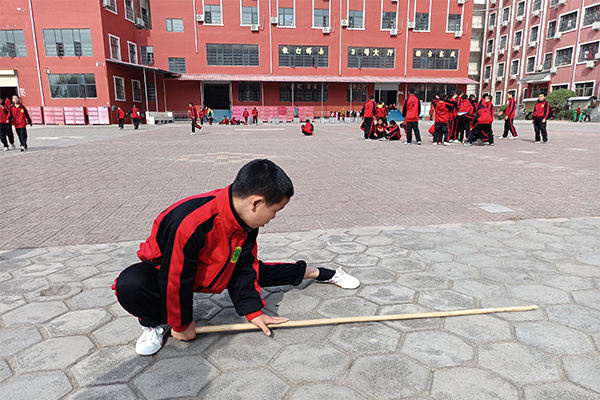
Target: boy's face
[15,100]
[257,213]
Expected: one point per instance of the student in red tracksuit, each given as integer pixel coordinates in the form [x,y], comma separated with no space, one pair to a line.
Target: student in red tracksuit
[120,113]
[453,121]
[443,109]
[6,133]
[541,111]
[465,111]
[380,130]
[201,112]
[509,117]
[20,118]
[207,243]
[254,116]
[194,117]
[246,114]
[393,131]
[308,129]
[381,112]
[368,112]
[482,123]
[411,111]
[136,117]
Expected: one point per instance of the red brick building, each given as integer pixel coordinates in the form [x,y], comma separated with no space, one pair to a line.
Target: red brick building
[226,53]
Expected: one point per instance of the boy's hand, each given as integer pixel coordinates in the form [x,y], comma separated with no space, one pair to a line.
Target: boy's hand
[263,320]
[188,334]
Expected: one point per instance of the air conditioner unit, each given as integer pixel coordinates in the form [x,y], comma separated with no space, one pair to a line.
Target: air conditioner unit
[597,56]
[501,51]
[411,25]
[562,2]
[513,77]
[462,1]
[493,2]
[535,13]
[533,44]
[519,18]
[106,4]
[200,17]
[488,54]
[557,35]
[491,27]
[326,29]
[516,48]
[505,23]
[596,26]
[499,78]
[553,70]
[487,80]
[394,1]
[540,67]
[458,34]
[393,32]
[140,23]
[273,20]
[589,64]
[344,22]
[254,27]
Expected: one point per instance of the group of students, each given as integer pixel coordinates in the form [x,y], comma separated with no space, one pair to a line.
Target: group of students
[13,113]
[136,117]
[375,120]
[198,114]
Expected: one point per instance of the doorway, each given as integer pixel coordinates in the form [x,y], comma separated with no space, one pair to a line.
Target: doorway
[216,96]
[7,91]
[386,92]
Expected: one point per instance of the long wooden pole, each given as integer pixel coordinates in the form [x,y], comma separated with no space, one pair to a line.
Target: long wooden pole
[366,318]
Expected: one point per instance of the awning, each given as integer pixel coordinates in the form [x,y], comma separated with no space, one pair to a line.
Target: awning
[581,98]
[140,66]
[536,78]
[321,78]
[8,78]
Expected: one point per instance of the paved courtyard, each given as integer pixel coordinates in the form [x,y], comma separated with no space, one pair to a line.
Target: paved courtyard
[425,228]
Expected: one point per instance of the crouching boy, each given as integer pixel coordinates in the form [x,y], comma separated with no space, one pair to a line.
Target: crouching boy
[207,243]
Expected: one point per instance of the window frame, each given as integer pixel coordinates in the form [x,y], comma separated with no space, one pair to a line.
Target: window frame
[520,40]
[517,9]
[115,78]
[220,5]
[448,22]
[22,31]
[142,56]
[538,9]
[576,11]
[505,42]
[137,54]
[504,8]
[293,17]
[50,86]
[133,91]
[556,54]
[518,62]
[527,71]
[219,53]
[548,28]
[503,69]
[89,31]
[116,10]
[239,84]
[437,69]
[370,67]
[381,28]
[537,40]
[125,10]
[593,82]
[489,25]
[428,22]
[497,104]
[174,19]
[486,75]
[553,86]
[551,61]
[487,45]
[579,50]
[583,15]
[257,14]
[110,36]
[362,20]
[177,58]
[313,26]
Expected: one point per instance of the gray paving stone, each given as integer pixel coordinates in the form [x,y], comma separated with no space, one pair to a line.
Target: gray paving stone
[27,387]
[379,240]
[463,383]
[308,244]
[178,348]
[8,303]
[242,350]
[13,340]
[222,299]
[502,301]
[356,260]
[38,270]
[480,260]
[77,322]
[324,391]
[403,265]
[204,309]
[584,371]
[437,349]
[73,274]
[311,362]
[113,265]
[21,286]
[113,392]
[478,288]
[109,365]
[387,376]
[564,281]
[100,297]
[368,276]
[54,353]
[347,248]
[387,251]
[553,338]
[87,260]
[315,256]
[175,377]
[368,338]
[272,240]
[56,254]
[424,281]
[453,270]
[56,291]
[592,259]
[551,256]
[312,334]
[258,384]
[527,264]
[558,391]
[119,331]
[97,248]
[539,294]
[457,248]
[443,300]
[518,363]
[521,243]
[347,307]
[589,298]
[410,324]
[23,253]
[5,371]
[435,256]
[5,276]
[102,280]
[336,237]
[507,275]
[34,313]
[293,301]
[388,294]
[584,270]
[479,328]
[226,316]
[274,254]
[575,316]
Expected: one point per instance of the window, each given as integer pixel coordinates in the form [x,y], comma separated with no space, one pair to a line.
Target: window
[285,16]
[505,14]
[487,72]
[500,71]
[547,61]
[518,38]
[304,92]
[232,54]
[115,47]
[355,19]
[558,87]
[520,9]
[212,14]
[358,91]
[72,86]
[492,20]
[248,91]
[489,48]
[530,67]
[502,44]
[537,5]
[136,89]
[68,42]
[553,3]
[421,21]
[533,33]
[174,25]
[112,6]
[454,23]
[563,57]
[584,89]
[177,64]
[498,98]
[249,15]
[320,18]
[551,30]
[147,55]
[591,15]
[151,91]
[133,54]
[12,43]
[371,57]
[568,22]
[435,59]
[303,56]
[388,20]
[119,88]
[587,51]
[514,67]
[129,11]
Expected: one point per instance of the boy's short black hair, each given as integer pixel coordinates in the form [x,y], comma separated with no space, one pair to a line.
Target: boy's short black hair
[371,97]
[411,90]
[264,178]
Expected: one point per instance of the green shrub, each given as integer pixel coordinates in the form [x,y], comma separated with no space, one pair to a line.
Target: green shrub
[558,99]
[565,115]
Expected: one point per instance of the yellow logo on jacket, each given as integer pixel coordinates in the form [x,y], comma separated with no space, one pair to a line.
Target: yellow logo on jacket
[236,255]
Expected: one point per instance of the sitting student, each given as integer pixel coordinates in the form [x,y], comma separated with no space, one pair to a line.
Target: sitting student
[234,121]
[308,129]
[482,122]
[380,130]
[225,121]
[393,131]
[207,243]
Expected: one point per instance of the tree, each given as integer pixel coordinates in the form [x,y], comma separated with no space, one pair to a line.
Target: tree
[558,99]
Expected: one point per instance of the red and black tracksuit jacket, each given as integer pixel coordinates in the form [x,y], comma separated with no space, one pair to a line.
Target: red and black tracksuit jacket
[541,110]
[200,244]
[121,114]
[369,109]
[411,109]
[511,109]
[19,116]
[193,112]
[5,115]
[135,113]
[484,114]
[443,111]
[308,128]
[394,132]
[246,114]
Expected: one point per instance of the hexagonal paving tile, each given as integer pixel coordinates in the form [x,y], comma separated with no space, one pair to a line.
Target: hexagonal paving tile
[324,391]
[553,338]
[539,294]
[453,270]
[34,313]
[387,376]
[583,270]
[368,276]
[347,248]
[479,328]
[13,340]
[103,280]
[91,298]
[410,324]
[55,353]
[56,291]
[564,281]
[87,260]
[378,240]
[315,256]
[388,294]
[27,387]
[21,286]
[56,254]
[119,331]
[204,309]
[480,260]
[558,391]
[293,301]
[584,370]
[437,349]
[77,322]
[308,244]
[276,253]
[5,371]
[243,350]
[258,384]
[507,275]
[588,298]
[575,316]
[112,392]
[471,383]
[226,316]
[367,338]
[38,270]
[445,300]
[73,274]
[8,303]
[347,307]
[175,377]
[386,251]
[424,281]
[478,288]
[336,237]
[311,362]
[356,260]
[400,265]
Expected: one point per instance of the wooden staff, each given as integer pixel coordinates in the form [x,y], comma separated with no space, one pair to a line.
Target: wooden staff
[367,318]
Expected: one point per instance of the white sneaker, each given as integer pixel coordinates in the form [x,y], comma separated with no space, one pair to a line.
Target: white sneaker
[150,341]
[406,143]
[22,148]
[193,133]
[343,280]
[418,142]
[5,149]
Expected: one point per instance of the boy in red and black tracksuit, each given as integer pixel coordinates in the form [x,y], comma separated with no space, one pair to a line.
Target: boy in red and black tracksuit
[381,112]
[482,122]
[207,243]
[453,120]
[254,116]
[509,117]
[120,113]
[368,112]
[308,129]
[443,109]
[19,117]
[194,117]
[136,117]
[411,111]
[466,110]
[246,114]
[393,131]
[6,133]
[541,111]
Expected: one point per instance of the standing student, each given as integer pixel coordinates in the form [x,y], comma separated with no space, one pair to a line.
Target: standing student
[411,111]
[368,112]
[254,116]
[509,117]
[6,133]
[541,111]
[20,118]
[194,117]
[209,115]
[308,129]
[443,111]
[136,117]
[482,123]
[466,109]
[381,112]
[588,114]
[453,119]
[120,113]
[201,112]
[577,118]
[246,114]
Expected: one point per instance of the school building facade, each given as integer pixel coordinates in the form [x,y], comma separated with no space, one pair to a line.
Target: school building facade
[538,46]
[160,55]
